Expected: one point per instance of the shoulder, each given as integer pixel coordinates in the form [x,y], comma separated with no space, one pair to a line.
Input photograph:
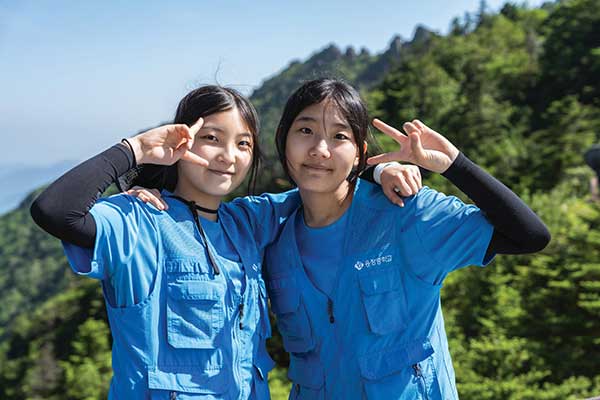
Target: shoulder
[371,196]
[258,203]
[124,205]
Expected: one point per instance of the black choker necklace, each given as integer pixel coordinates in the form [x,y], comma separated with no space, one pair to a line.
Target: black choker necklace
[196,206]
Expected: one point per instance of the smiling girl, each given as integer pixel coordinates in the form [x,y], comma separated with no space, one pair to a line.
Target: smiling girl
[355,282]
[183,288]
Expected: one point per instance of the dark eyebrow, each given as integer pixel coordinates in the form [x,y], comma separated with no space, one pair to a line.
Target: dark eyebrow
[306,118]
[213,127]
[222,131]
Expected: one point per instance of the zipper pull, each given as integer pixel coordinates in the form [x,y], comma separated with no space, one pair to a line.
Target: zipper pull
[241,308]
[417,370]
[330,311]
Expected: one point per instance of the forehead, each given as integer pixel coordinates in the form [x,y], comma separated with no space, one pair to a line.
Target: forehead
[326,111]
[230,121]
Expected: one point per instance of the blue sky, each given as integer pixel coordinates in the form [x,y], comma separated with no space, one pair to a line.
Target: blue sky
[76,76]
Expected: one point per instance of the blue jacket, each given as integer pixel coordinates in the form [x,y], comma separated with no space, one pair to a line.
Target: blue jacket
[380,334]
[179,330]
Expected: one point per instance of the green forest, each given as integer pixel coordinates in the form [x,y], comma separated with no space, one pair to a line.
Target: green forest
[518,91]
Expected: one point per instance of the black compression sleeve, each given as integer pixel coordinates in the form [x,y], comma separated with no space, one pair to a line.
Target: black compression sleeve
[367,174]
[63,208]
[517,229]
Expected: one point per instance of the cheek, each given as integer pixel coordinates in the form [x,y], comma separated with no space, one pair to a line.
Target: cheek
[246,160]
[202,150]
[293,148]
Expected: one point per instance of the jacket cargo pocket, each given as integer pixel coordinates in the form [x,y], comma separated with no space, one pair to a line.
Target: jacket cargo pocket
[384,301]
[195,314]
[404,372]
[292,319]
[186,382]
[308,378]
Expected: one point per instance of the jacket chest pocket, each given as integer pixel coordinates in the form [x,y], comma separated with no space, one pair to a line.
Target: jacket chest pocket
[195,309]
[384,300]
[292,319]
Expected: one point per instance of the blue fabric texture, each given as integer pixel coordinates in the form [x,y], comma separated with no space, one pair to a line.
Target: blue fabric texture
[179,330]
[379,334]
[321,250]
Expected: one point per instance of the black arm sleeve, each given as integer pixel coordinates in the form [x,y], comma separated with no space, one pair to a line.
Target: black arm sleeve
[517,229]
[367,174]
[62,209]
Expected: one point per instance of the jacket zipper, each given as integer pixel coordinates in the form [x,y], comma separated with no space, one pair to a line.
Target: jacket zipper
[330,311]
[241,308]
[421,379]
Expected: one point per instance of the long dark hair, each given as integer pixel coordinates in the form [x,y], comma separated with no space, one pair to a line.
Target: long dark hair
[200,102]
[344,97]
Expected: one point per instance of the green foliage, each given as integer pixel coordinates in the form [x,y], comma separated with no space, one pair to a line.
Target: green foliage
[517,92]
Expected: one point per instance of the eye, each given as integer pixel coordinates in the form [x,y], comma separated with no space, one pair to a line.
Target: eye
[209,138]
[245,144]
[306,131]
[342,136]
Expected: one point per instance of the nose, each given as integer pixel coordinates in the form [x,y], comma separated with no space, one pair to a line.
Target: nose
[227,154]
[320,149]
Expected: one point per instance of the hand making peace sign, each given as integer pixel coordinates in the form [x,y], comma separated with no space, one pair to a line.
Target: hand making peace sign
[420,145]
[167,144]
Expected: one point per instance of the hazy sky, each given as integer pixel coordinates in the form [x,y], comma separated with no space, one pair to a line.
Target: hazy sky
[76,76]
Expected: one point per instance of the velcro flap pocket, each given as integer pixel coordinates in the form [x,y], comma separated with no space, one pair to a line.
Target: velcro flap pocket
[375,366]
[188,380]
[307,372]
[195,313]
[196,290]
[187,266]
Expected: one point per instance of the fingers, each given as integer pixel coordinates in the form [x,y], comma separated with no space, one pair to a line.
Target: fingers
[194,129]
[421,126]
[194,158]
[392,196]
[414,134]
[411,182]
[386,157]
[151,196]
[390,131]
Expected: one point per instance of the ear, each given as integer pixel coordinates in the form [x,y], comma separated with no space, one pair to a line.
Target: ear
[357,158]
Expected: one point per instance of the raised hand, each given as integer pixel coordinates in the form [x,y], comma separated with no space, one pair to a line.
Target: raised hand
[420,145]
[167,144]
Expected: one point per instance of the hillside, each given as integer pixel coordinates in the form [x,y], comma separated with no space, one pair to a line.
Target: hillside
[518,92]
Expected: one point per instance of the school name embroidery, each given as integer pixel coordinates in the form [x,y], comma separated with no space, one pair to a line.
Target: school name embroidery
[372,262]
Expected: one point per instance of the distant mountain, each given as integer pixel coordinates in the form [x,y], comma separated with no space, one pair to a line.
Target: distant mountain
[17,181]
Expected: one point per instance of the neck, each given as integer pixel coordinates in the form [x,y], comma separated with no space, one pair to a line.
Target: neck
[202,199]
[322,209]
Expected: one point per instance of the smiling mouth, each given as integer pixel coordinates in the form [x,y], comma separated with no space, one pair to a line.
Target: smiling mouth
[317,168]
[217,172]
